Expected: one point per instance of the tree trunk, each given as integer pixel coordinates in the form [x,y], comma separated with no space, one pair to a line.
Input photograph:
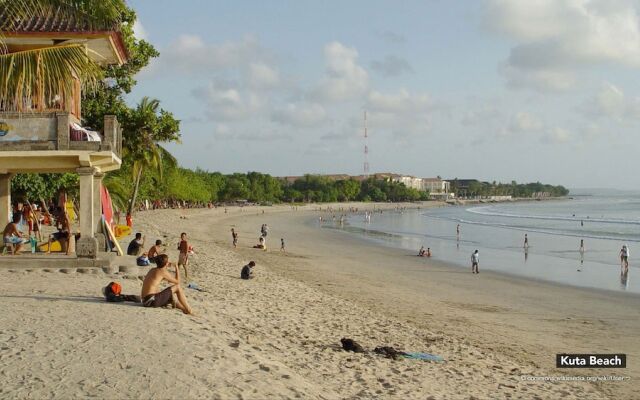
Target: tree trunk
[135,191]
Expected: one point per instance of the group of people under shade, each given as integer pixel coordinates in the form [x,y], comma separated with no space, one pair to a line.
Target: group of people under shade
[14,239]
[152,295]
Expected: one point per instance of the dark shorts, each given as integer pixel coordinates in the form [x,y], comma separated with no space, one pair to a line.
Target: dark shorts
[474,264]
[159,299]
[60,235]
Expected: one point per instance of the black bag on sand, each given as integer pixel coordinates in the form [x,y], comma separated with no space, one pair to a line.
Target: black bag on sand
[112,294]
[351,345]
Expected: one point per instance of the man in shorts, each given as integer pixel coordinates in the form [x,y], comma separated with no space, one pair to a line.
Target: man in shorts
[151,294]
[11,236]
[234,237]
[475,260]
[63,224]
[183,257]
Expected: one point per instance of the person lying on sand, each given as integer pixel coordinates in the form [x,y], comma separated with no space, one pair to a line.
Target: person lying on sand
[151,294]
[12,237]
[247,272]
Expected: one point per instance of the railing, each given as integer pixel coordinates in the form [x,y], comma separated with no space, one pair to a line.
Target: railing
[51,131]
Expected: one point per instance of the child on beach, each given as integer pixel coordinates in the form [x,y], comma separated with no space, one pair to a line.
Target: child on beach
[247,272]
[234,237]
[183,257]
[153,297]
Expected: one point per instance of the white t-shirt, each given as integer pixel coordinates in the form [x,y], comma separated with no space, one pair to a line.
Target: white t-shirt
[475,257]
[625,252]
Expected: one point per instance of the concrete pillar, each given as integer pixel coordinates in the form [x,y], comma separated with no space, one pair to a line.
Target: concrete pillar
[5,199]
[97,210]
[87,246]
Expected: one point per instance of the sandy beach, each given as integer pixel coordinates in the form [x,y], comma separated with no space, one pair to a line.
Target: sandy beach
[278,335]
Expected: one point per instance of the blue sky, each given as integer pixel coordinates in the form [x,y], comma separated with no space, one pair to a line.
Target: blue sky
[496,90]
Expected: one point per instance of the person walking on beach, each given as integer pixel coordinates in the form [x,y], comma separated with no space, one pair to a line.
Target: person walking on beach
[475,259]
[234,237]
[624,257]
[151,294]
[526,241]
[458,231]
[282,245]
[183,257]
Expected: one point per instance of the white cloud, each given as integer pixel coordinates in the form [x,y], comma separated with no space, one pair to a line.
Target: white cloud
[402,113]
[139,31]
[228,104]
[557,135]
[391,66]
[523,122]
[558,38]
[262,76]
[611,102]
[300,115]
[191,54]
[344,78]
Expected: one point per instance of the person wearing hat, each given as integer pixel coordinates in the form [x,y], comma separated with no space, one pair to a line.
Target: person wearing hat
[247,272]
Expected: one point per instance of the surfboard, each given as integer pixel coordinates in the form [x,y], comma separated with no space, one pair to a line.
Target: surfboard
[55,246]
[115,240]
[121,231]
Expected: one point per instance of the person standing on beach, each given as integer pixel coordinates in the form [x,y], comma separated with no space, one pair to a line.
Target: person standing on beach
[234,237]
[282,245]
[624,257]
[458,231]
[183,257]
[526,241]
[475,260]
[153,297]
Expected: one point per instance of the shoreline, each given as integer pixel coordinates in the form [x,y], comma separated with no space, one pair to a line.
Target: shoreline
[278,334]
[582,306]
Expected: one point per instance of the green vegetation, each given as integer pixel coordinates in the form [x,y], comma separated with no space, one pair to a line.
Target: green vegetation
[514,189]
[149,171]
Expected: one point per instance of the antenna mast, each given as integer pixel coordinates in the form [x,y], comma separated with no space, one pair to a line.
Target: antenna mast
[366,147]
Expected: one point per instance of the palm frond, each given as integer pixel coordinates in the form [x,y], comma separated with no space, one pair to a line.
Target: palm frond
[36,79]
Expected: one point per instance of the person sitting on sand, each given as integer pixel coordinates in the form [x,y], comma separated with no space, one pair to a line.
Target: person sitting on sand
[12,237]
[136,245]
[63,224]
[155,250]
[151,294]
[247,272]
[261,244]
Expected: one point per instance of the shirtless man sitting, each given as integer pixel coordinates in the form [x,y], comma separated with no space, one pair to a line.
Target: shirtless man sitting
[155,250]
[12,236]
[152,296]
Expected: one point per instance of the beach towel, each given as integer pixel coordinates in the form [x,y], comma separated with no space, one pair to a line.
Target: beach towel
[423,356]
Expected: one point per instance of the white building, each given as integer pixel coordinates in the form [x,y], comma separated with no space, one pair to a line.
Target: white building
[436,185]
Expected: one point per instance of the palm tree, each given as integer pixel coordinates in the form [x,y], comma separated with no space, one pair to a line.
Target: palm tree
[38,76]
[146,129]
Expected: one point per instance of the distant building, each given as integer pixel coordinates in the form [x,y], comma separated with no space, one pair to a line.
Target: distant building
[436,185]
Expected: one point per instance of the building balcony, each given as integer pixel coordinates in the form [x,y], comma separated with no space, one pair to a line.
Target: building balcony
[54,142]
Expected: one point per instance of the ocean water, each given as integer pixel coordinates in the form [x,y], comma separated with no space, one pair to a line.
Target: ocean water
[554,230]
